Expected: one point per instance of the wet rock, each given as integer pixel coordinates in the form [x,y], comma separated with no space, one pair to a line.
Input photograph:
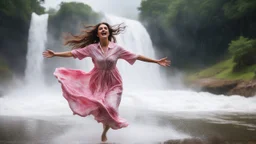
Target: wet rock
[247,89]
[216,86]
[227,87]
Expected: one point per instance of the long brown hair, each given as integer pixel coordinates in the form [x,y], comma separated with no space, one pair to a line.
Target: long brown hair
[89,36]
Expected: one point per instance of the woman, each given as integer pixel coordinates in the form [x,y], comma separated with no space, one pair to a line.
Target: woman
[99,91]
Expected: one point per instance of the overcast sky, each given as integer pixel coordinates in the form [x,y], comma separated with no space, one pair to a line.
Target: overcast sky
[127,8]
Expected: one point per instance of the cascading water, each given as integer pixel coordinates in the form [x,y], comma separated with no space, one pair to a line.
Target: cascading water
[36,45]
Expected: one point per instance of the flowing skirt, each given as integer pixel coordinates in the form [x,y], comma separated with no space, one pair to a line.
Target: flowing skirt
[96,93]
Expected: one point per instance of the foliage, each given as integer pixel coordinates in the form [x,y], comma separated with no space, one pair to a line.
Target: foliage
[69,16]
[75,9]
[154,9]
[235,9]
[244,51]
[169,10]
[21,8]
[198,31]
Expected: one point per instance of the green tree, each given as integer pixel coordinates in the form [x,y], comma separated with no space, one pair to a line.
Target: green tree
[76,9]
[153,9]
[70,16]
[21,8]
[243,51]
[235,9]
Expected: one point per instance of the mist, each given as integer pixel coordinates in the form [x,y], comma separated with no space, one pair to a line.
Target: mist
[127,9]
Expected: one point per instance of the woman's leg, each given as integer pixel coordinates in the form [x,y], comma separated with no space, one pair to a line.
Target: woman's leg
[103,136]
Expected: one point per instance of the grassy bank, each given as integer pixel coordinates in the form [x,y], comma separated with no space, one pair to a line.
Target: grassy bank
[223,70]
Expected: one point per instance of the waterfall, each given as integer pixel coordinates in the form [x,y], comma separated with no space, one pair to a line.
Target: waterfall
[137,40]
[36,45]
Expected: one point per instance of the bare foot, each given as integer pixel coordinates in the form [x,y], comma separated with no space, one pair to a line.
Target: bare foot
[105,130]
[104,137]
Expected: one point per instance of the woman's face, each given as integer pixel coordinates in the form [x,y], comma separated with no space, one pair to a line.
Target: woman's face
[103,31]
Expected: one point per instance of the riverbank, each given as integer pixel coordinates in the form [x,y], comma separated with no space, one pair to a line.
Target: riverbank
[246,88]
[220,78]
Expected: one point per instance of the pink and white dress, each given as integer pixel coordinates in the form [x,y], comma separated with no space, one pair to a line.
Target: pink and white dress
[99,91]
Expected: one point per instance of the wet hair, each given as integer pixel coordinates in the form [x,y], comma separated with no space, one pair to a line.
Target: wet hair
[89,36]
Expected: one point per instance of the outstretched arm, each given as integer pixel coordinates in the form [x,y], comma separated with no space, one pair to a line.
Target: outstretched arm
[50,53]
[162,62]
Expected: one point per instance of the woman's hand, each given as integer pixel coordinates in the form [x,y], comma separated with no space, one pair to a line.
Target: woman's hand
[164,62]
[48,53]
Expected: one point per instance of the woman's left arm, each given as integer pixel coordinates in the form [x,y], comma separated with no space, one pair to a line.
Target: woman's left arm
[162,62]
[131,58]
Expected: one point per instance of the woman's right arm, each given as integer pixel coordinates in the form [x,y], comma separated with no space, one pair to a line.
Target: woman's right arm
[50,54]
